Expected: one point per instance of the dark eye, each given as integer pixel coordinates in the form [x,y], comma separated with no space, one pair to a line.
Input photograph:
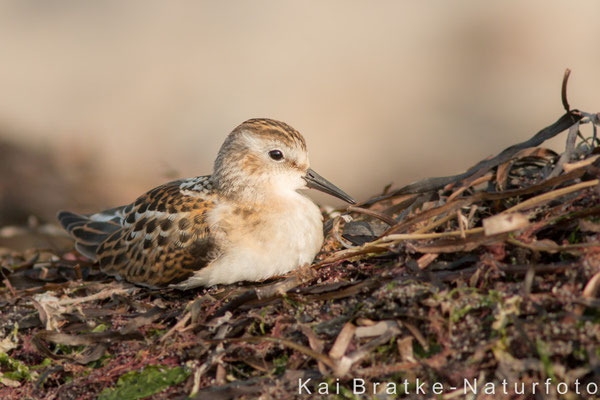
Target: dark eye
[276,155]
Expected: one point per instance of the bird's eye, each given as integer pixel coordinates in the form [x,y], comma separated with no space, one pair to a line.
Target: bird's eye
[276,155]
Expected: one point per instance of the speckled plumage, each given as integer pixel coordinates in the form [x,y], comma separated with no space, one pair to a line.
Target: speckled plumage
[244,222]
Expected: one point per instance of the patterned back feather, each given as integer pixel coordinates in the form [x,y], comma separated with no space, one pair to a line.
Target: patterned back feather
[159,239]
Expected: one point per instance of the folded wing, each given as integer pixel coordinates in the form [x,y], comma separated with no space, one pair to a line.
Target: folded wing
[162,238]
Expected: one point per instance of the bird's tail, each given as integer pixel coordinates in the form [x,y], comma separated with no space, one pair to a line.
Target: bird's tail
[89,231]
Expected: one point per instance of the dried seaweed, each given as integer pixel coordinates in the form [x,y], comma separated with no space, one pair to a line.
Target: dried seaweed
[488,275]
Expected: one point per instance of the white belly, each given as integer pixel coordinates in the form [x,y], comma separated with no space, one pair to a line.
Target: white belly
[269,242]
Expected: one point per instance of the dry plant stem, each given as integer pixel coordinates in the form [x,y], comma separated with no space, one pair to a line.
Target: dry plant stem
[546,184]
[383,244]
[580,164]
[435,224]
[463,202]
[472,212]
[385,218]
[348,253]
[542,198]
[486,178]
[461,223]
[426,259]
[549,248]
[98,296]
[177,327]
[460,245]
[418,236]
[404,203]
[426,215]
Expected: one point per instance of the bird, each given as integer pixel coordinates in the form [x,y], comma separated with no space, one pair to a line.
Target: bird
[244,222]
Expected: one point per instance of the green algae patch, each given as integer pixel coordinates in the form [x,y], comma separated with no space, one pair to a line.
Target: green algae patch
[146,382]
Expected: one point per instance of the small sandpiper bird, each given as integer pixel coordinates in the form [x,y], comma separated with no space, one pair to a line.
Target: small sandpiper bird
[245,222]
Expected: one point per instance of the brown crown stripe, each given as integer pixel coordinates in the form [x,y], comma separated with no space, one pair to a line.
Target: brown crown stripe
[270,127]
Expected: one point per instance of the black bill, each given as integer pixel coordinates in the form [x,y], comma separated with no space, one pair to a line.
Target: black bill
[316,181]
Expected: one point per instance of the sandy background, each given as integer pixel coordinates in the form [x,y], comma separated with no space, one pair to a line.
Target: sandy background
[117,97]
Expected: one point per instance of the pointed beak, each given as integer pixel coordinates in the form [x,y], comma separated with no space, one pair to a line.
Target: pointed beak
[316,181]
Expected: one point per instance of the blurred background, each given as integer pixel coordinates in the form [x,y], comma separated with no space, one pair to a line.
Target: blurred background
[100,101]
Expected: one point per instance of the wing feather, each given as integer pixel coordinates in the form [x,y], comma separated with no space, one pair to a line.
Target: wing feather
[161,238]
[164,238]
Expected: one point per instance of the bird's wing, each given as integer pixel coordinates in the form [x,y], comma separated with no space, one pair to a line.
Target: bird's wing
[161,238]
[89,231]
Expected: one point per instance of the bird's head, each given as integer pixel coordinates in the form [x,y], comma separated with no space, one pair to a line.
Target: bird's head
[262,157]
